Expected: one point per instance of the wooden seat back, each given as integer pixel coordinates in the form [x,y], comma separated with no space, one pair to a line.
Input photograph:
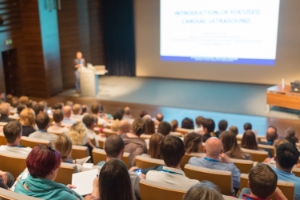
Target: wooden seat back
[65,172]
[32,142]
[146,162]
[243,165]
[256,155]
[100,155]
[13,163]
[79,152]
[185,159]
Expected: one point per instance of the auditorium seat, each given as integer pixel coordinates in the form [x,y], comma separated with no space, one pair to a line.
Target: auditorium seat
[32,142]
[10,195]
[146,162]
[243,165]
[145,136]
[100,155]
[79,152]
[108,132]
[101,142]
[150,190]
[269,147]
[178,134]
[2,139]
[56,132]
[185,159]
[184,131]
[256,155]
[97,130]
[13,163]
[296,171]
[65,171]
[221,178]
[287,188]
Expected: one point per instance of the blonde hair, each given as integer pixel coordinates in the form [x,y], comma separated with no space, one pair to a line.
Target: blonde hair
[78,133]
[24,100]
[279,142]
[27,117]
[76,109]
[63,144]
[115,125]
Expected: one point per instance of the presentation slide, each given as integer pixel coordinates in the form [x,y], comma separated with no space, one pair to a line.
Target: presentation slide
[220,31]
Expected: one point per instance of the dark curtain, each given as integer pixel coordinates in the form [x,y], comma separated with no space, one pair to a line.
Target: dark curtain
[118,36]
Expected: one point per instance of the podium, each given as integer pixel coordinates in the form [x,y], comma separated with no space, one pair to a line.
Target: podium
[89,79]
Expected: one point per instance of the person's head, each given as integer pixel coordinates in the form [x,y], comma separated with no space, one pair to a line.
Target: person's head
[43,162]
[44,104]
[290,132]
[76,109]
[42,121]
[230,145]
[78,133]
[293,140]
[30,104]
[138,127]
[124,127]
[118,115]
[279,142]
[209,125]
[78,55]
[63,144]
[164,128]
[9,98]
[114,174]
[192,142]
[213,147]
[127,111]
[222,125]
[159,117]
[67,111]
[154,145]
[38,108]
[84,109]
[199,121]
[203,191]
[287,155]
[234,129]
[23,100]
[20,107]
[89,121]
[143,113]
[114,147]
[95,108]
[58,115]
[249,141]
[13,132]
[150,126]
[262,181]
[58,105]
[187,123]
[271,133]
[172,150]
[15,102]
[174,125]
[247,126]
[27,117]
[4,109]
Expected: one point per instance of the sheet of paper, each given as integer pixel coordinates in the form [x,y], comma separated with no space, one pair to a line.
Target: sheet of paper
[84,181]
[88,165]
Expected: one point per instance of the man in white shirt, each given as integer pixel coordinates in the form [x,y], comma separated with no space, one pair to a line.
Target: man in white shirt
[172,151]
[13,133]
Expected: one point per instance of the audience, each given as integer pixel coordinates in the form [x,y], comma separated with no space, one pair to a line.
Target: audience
[67,110]
[127,115]
[124,127]
[43,163]
[43,122]
[234,129]
[58,117]
[203,191]
[249,141]
[247,127]
[23,100]
[27,120]
[154,145]
[20,108]
[208,128]
[133,143]
[159,118]
[58,105]
[216,159]
[6,180]
[38,108]
[192,143]
[150,127]
[223,124]
[90,123]
[13,133]
[95,111]
[174,125]
[187,123]
[171,151]
[286,157]
[76,113]
[290,135]
[231,147]
[199,124]
[278,142]
[164,128]
[5,112]
[271,135]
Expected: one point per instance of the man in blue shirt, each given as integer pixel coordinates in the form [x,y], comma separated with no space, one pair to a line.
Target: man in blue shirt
[216,159]
[286,157]
[78,62]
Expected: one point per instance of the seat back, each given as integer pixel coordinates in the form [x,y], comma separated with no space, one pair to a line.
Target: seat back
[10,195]
[256,155]
[268,147]
[296,171]
[2,139]
[100,155]
[79,152]
[101,142]
[145,136]
[64,175]
[13,163]
[185,159]
[146,162]
[178,134]
[55,132]
[243,165]
[212,175]
[109,132]
[152,190]
[184,131]
[32,142]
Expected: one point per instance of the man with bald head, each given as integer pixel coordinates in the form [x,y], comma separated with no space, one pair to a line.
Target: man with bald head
[127,115]
[216,159]
[67,114]
[124,127]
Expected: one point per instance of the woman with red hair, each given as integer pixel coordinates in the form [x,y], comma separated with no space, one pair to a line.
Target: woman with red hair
[43,163]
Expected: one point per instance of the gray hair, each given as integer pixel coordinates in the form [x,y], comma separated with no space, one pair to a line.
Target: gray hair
[203,191]
[290,132]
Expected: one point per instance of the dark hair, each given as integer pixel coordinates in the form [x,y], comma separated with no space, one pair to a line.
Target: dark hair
[138,126]
[172,150]
[20,107]
[187,123]
[12,130]
[230,145]
[191,142]
[293,140]
[150,126]
[174,125]
[203,191]
[159,118]
[222,125]
[199,120]
[118,115]
[58,105]
[273,136]
[234,129]
[114,174]
[209,124]
[247,126]
[38,108]
[58,115]
[287,155]
[114,144]
[42,160]
[143,113]
[262,180]
[154,144]
[95,108]
[42,120]
[164,128]
[88,120]
[249,141]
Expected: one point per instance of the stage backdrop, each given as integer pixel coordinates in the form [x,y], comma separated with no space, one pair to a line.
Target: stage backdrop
[150,64]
